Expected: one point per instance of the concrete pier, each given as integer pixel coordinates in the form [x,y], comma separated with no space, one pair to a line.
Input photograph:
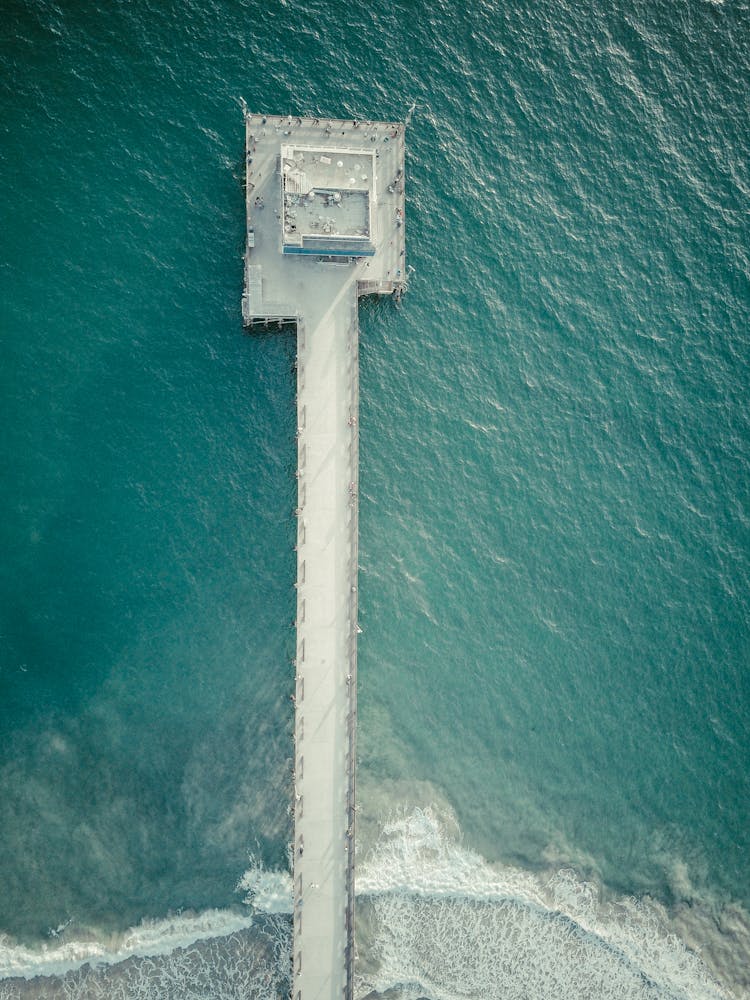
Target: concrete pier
[325,224]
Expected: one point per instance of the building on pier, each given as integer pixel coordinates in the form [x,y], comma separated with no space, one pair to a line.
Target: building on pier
[325,224]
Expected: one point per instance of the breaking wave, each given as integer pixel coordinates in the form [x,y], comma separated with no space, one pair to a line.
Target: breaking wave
[268,891]
[249,964]
[265,892]
[149,939]
[436,920]
[224,954]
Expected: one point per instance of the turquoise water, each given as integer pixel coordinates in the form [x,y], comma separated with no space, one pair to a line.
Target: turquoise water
[555,511]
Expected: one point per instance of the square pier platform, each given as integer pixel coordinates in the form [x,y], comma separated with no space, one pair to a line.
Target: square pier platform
[321,194]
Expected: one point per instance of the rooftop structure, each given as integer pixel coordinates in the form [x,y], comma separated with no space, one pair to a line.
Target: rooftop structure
[328,200]
[325,224]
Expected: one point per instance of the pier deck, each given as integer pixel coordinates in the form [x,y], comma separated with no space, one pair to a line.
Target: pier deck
[310,254]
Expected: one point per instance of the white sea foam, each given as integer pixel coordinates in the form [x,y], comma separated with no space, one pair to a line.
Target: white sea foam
[149,939]
[443,923]
[268,891]
[265,891]
[435,920]
[247,963]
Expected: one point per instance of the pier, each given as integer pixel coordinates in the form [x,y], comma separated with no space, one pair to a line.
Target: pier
[325,225]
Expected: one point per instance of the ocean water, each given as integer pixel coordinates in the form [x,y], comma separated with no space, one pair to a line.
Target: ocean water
[555,503]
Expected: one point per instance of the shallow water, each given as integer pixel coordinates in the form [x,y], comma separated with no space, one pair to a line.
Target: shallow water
[554,444]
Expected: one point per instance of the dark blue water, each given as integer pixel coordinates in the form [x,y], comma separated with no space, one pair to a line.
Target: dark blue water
[555,520]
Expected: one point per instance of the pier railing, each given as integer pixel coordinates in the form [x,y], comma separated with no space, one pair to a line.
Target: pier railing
[352,363]
[353,420]
[277,290]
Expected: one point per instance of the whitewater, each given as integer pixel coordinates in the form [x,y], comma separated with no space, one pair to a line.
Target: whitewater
[434,919]
[554,495]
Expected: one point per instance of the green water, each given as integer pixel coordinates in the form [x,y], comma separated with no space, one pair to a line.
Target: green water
[555,537]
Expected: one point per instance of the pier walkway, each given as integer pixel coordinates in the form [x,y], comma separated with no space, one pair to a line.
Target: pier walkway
[324,226]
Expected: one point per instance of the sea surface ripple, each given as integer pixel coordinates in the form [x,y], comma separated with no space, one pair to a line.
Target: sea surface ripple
[555,508]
